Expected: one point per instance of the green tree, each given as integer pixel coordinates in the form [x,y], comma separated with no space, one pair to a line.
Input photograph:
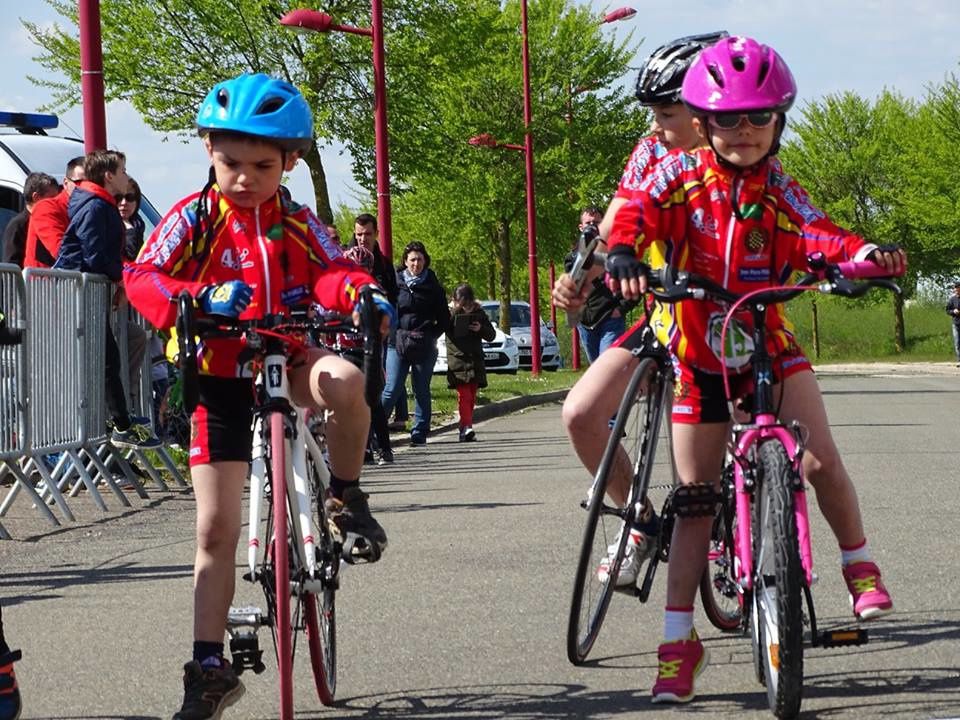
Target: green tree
[849,154]
[164,55]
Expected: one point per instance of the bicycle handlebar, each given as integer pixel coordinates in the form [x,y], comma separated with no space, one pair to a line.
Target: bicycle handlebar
[280,327]
[671,285]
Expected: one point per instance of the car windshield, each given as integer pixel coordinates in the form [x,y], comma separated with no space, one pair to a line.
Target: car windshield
[519,315]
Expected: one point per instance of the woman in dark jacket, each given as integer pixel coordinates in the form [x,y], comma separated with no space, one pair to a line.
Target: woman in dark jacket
[466,372]
[423,317]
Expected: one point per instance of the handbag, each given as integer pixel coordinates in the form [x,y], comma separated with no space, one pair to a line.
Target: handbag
[413,345]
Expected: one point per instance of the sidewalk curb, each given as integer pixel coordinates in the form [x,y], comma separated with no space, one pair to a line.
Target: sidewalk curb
[488,412]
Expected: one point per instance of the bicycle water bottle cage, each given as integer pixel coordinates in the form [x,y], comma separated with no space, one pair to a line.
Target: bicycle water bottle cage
[695,501]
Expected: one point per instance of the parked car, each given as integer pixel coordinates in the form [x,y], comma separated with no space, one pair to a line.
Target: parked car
[520,331]
[501,354]
[25,147]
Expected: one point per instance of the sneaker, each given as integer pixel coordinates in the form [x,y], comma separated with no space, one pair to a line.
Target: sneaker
[10,704]
[207,692]
[467,434]
[417,441]
[678,664]
[136,436]
[352,515]
[397,425]
[384,457]
[868,596]
[141,420]
[368,457]
[639,548]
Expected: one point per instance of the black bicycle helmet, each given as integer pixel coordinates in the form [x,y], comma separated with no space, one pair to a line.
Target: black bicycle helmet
[661,78]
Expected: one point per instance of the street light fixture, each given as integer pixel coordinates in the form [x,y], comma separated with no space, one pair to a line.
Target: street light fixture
[316,21]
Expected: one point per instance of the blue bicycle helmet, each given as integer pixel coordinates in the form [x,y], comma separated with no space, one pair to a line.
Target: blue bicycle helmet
[261,106]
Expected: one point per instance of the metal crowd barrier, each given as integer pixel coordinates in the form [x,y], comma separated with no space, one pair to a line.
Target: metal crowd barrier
[52,392]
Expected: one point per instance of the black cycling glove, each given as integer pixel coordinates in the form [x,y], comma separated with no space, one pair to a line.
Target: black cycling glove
[622,264]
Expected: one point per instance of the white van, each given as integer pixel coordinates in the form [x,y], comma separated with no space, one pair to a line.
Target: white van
[25,147]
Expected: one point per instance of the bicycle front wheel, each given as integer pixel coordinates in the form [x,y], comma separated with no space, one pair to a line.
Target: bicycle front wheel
[778,591]
[719,590]
[283,630]
[635,432]
[320,614]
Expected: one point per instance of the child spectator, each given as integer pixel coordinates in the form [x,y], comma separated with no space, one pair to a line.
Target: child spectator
[466,372]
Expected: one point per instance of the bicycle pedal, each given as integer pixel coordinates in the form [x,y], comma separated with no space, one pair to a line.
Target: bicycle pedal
[842,638]
[248,616]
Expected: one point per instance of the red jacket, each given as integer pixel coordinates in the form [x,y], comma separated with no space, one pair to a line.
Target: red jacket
[280,249]
[683,214]
[48,222]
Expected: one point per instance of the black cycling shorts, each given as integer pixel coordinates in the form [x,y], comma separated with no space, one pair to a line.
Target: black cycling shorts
[221,428]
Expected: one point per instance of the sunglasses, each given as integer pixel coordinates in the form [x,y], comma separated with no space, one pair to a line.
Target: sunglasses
[129,197]
[731,121]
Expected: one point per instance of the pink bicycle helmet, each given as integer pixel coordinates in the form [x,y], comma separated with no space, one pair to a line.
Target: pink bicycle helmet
[739,74]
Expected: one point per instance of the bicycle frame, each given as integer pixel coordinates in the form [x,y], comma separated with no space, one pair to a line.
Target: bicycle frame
[765,426]
[297,490]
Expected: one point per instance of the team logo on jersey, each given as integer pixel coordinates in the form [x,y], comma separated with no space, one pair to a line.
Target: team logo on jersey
[293,295]
[705,224]
[681,390]
[236,260]
[756,240]
[275,232]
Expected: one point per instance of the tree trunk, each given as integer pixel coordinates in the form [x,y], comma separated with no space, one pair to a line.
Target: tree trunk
[492,266]
[505,268]
[899,332]
[320,190]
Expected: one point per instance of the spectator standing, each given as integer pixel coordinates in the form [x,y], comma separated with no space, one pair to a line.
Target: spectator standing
[466,372]
[49,220]
[37,186]
[601,321]
[335,236]
[367,235]
[93,243]
[953,310]
[378,440]
[128,203]
[423,317]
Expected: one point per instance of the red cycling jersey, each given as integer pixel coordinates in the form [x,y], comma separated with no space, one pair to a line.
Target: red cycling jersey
[683,213]
[279,249]
[645,155]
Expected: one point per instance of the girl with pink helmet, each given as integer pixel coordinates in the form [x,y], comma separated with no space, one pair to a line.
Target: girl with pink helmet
[729,212]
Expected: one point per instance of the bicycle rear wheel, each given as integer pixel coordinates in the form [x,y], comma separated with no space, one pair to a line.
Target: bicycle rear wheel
[719,590]
[635,431]
[320,614]
[283,630]
[778,591]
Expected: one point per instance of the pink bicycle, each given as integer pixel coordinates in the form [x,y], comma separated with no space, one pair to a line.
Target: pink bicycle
[761,561]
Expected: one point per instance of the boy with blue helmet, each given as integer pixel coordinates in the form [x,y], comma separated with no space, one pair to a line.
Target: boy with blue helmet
[243,249]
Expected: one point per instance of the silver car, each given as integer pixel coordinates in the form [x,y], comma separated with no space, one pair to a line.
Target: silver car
[520,331]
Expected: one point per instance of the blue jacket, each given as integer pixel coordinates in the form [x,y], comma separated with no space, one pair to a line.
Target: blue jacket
[94,238]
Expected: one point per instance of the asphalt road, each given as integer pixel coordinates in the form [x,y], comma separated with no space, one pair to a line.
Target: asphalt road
[465,616]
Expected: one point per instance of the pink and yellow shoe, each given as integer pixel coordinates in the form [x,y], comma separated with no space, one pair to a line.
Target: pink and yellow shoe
[679,663]
[868,596]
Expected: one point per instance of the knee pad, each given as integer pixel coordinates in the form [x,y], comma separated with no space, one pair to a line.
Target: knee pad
[695,501]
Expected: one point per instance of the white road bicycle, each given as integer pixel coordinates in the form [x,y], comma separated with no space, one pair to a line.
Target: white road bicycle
[292,554]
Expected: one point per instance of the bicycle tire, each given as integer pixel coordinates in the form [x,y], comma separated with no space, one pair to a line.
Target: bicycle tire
[320,615]
[777,565]
[720,594]
[591,594]
[283,629]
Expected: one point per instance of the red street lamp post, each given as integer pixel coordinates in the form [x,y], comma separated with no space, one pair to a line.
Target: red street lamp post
[91,77]
[317,21]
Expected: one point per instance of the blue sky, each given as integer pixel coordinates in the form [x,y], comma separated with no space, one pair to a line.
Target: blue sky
[863,46]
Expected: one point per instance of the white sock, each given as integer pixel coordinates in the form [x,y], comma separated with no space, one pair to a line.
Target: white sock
[677,624]
[858,553]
